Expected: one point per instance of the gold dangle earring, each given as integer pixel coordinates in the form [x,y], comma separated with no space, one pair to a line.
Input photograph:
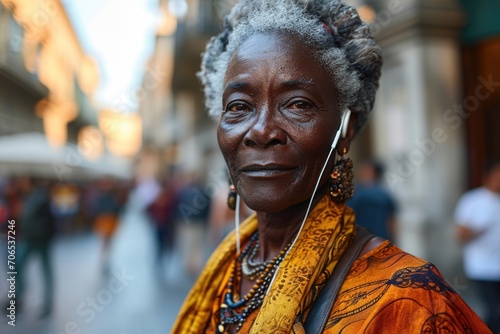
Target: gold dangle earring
[341,179]
[231,197]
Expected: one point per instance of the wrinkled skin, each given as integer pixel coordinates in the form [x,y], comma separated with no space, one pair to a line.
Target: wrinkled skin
[279,120]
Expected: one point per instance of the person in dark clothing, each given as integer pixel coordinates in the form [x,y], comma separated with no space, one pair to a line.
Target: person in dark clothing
[36,231]
[193,206]
[107,210]
[162,213]
[373,205]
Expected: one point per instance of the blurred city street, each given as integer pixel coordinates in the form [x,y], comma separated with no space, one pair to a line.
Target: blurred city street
[111,167]
[136,297]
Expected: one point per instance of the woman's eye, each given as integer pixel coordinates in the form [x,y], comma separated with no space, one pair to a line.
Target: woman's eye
[237,107]
[300,105]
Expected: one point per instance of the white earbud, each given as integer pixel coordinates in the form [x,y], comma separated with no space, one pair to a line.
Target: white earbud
[345,122]
[344,125]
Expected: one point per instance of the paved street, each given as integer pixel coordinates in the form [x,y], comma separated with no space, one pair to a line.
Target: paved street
[136,297]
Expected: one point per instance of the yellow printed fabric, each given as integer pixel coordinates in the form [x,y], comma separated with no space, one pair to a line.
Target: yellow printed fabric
[386,291]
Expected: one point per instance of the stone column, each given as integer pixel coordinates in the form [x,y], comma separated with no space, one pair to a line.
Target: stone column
[412,124]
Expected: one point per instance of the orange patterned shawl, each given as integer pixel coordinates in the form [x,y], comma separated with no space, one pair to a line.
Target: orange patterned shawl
[391,291]
[386,291]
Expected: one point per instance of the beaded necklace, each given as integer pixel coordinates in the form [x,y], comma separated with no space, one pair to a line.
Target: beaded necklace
[249,268]
[235,310]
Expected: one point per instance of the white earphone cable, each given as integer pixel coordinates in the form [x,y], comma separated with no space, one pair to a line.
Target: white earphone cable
[237,225]
[344,119]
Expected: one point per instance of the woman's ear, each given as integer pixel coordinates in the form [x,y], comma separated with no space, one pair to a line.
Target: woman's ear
[345,142]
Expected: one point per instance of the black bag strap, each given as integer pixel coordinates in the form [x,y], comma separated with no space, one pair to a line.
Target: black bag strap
[322,306]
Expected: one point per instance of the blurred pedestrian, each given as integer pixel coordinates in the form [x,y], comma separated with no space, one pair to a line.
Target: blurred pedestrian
[108,207]
[162,213]
[13,198]
[65,199]
[36,231]
[192,211]
[89,199]
[373,205]
[478,223]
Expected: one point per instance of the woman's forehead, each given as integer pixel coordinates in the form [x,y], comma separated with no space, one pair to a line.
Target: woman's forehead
[282,53]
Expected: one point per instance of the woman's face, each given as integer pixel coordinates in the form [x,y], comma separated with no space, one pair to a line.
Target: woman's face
[279,119]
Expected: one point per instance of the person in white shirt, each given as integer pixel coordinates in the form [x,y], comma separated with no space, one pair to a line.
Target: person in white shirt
[478,223]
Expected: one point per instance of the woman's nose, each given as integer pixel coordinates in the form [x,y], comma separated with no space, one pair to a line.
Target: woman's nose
[265,131]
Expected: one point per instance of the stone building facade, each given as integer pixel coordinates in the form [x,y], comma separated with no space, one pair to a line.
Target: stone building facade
[46,77]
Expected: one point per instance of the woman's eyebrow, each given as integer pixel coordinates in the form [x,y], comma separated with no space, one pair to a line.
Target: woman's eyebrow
[235,86]
[302,82]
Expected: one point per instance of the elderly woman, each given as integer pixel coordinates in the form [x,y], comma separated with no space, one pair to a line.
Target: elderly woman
[291,82]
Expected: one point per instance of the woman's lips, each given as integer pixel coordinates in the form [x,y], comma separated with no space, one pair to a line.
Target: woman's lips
[266,170]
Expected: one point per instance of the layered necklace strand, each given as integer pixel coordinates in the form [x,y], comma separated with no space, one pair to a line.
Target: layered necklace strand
[235,310]
[249,268]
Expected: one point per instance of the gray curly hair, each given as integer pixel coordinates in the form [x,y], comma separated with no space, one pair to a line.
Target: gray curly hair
[352,57]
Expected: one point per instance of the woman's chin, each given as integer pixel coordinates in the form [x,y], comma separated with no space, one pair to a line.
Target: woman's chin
[266,206]
[269,202]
